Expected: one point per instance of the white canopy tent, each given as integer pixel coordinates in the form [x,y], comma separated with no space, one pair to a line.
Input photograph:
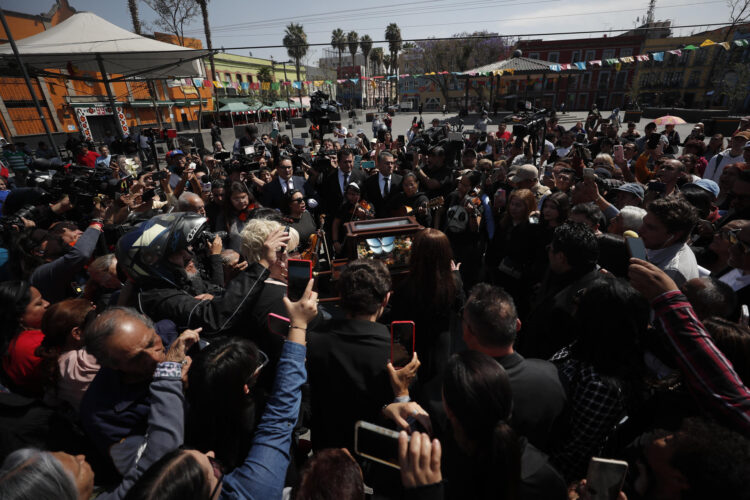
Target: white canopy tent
[87,42]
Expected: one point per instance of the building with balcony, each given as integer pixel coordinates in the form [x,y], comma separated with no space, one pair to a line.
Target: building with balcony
[605,85]
[685,79]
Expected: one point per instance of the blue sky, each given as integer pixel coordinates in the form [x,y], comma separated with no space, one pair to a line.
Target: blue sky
[241,23]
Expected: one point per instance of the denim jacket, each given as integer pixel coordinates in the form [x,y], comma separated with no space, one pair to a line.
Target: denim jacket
[262,474]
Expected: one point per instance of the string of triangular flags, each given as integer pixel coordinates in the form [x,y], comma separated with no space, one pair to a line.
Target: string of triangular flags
[581,65]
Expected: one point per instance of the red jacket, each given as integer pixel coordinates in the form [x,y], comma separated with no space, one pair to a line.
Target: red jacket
[89,159]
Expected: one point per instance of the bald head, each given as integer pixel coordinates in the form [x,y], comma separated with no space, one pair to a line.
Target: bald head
[123,339]
[192,203]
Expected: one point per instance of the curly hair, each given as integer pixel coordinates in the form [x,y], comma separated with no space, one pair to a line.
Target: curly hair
[677,215]
[363,286]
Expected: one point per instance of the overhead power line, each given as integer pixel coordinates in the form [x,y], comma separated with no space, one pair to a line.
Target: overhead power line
[478,37]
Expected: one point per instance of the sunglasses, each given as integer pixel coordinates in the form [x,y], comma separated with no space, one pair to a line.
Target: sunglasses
[732,237]
[263,358]
[298,200]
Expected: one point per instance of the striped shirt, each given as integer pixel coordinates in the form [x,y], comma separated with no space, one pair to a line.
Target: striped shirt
[707,371]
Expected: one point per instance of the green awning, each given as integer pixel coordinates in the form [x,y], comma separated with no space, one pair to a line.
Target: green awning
[234,107]
[284,104]
[149,104]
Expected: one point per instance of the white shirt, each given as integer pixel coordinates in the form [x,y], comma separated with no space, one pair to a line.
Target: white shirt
[275,124]
[381,183]
[286,185]
[736,279]
[714,171]
[562,152]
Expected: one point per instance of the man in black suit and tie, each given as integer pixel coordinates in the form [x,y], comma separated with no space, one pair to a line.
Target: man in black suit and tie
[283,181]
[382,189]
[334,184]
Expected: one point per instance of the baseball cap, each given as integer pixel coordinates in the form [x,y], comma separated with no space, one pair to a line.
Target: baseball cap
[744,134]
[525,173]
[708,185]
[747,145]
[632,188]
[174,153]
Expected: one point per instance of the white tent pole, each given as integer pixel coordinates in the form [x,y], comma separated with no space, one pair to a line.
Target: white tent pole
[28,84]
[105,79]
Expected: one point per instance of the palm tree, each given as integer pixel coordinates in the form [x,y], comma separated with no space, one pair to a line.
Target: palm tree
[133,7]
[352,41]
[365,43]
[338,42]
[376,58]
[295,41]
[203,4]
[393,35]
[388,63]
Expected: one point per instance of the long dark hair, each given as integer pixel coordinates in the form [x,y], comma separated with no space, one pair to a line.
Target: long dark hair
[15,296]
[231,188]
[477,391]
[430,265]
[221,415]
[561,202]
[175,476]
[286,201]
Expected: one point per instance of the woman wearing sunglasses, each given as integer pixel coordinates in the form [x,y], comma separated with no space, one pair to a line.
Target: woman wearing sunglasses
[193,474]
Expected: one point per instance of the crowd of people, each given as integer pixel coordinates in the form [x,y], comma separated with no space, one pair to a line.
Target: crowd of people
[576,292]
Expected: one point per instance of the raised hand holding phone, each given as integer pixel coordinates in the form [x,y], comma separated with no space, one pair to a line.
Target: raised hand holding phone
[301,313]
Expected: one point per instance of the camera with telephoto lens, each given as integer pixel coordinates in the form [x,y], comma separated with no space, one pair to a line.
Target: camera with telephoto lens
[207,237]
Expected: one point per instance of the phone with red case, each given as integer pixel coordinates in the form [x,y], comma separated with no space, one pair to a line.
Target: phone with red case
[299,273]
[278,324]
[402,342]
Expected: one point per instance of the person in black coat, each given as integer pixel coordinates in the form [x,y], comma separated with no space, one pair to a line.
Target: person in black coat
[383,188]
[334,184]
[490,324]
[347,363]
[274,191]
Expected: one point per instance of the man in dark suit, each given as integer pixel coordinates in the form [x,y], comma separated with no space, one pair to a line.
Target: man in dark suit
[283,181]
[490,324]
[382,189]
[347,364]
[334,184]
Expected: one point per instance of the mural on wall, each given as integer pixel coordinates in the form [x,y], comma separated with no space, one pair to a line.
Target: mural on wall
[83,113]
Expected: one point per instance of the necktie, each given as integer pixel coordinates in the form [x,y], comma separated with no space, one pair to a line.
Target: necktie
[346,182]
[386,187]
[291,184]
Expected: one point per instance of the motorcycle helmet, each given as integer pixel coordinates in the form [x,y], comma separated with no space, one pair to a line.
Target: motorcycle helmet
[143,251]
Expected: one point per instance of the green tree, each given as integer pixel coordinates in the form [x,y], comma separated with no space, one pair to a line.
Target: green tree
[295,41]
[265,74]
[376,58]
[338,42]
[393,35]
[365,43]
[133,8]
[352,41]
